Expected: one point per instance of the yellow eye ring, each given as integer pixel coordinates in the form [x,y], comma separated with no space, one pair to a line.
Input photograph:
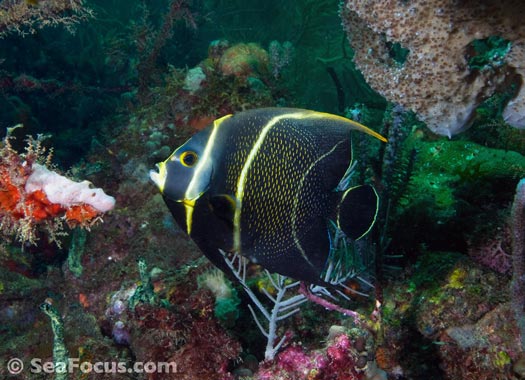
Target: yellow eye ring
[189,158]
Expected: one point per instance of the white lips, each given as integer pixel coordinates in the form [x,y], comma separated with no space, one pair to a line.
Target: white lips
[159,178]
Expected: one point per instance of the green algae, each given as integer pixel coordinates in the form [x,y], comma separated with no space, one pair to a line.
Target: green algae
[446,166]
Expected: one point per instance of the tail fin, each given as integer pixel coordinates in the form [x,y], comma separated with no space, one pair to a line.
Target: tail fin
[356,210]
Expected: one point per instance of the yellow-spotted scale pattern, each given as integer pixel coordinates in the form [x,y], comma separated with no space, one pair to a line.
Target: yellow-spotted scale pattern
[268,210]
[269,191]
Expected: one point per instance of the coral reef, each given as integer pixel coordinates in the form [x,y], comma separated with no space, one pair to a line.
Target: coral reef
[227,301]
[196,342]
[518,258]
[442,76]
[60,353]
[25,17]
[142,77]
[33,196]
[229,79]
[281,55]
[483,350]
[494,251]
[243,60]
[150,46]
[448,162]
[344,357]
[451,319]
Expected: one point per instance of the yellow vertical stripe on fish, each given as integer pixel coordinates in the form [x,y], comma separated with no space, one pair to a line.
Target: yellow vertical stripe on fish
[189,196]
[244,173]
[257,146]
[203,161]
[296,200]
[189,206]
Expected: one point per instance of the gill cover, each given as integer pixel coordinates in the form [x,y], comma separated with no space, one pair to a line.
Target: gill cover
[186,173]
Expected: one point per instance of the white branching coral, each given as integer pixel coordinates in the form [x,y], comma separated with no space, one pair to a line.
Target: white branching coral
[435,80]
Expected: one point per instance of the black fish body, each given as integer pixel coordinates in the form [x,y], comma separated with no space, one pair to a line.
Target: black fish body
[262,183]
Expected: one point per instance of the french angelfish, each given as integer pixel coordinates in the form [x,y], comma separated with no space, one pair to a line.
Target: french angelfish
[262,183]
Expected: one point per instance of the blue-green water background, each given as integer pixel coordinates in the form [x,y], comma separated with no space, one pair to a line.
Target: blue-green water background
[443,201]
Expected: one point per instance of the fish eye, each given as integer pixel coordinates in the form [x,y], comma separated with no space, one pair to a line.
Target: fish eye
[188,158]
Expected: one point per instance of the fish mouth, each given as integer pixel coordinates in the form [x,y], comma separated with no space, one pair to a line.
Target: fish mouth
[159,178]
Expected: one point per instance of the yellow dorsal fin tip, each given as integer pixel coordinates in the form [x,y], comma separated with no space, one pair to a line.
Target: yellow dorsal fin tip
[356,124]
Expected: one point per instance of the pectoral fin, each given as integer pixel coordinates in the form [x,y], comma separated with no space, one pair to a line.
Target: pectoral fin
[223,206]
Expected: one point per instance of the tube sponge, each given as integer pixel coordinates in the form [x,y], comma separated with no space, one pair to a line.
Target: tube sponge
[65,192]
[35,199]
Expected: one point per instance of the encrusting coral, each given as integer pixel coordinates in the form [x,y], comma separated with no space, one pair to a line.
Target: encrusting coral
[440,76]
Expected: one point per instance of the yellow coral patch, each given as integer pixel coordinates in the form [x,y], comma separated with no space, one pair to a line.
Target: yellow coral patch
[455,281]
